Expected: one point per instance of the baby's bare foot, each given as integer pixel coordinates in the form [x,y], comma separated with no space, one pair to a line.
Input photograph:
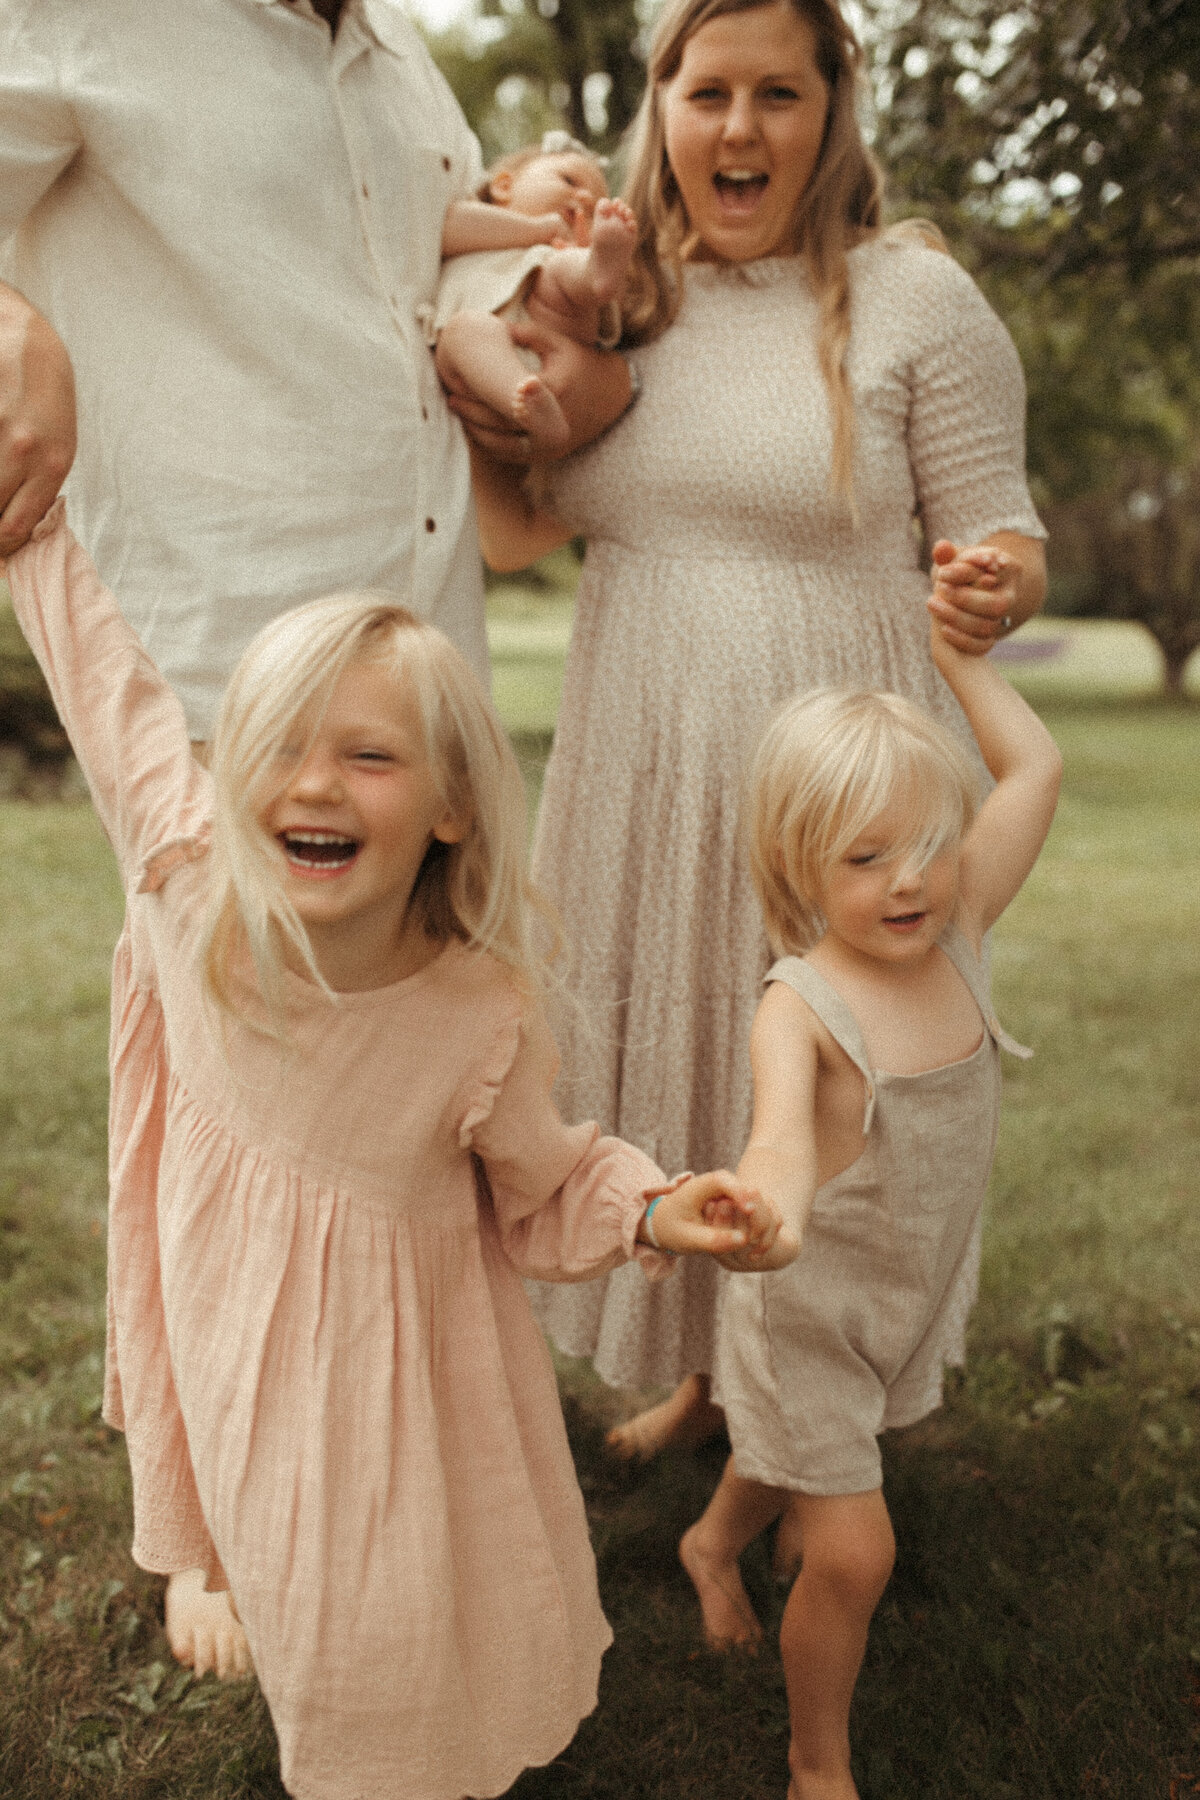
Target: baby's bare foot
[536,411]
[203,1629]
[614,239]
[729,1619]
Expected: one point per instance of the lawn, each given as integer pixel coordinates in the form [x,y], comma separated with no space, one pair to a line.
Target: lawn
[1041,1637]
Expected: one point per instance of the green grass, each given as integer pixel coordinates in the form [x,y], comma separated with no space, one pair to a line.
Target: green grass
[1041,1637]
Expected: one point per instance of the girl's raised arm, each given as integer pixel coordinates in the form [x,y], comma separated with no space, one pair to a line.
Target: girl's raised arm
[1010,827]
[125,725]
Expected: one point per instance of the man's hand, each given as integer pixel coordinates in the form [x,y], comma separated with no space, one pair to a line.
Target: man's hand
[592,387]
[37,418]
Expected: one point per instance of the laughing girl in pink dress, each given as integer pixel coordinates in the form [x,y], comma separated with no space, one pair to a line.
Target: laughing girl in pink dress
[333,1156]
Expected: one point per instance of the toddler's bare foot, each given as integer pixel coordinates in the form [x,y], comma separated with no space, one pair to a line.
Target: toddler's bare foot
[729,1619]
[203,1630]
[614,239]
[536,411]
[688,1418]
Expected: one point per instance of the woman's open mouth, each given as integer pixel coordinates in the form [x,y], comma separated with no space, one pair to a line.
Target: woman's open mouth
[739,190]
[905,921]
[318,852]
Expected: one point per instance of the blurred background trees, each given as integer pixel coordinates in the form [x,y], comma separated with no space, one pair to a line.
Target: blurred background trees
[1057,145]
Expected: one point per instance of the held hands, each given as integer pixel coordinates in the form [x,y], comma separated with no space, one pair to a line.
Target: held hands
[715,1215]
[976,595]
[754,1258]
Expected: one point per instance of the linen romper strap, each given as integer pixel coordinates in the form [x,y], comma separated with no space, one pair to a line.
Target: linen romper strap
[969,967]
[833,1013]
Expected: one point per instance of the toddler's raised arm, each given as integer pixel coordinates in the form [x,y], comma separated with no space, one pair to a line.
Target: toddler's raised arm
[125,725]
[1010,827]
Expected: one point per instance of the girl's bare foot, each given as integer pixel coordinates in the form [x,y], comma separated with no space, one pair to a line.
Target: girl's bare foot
[730,1622]
[536,411]
[203,1630]
[682,1422]
[614,239]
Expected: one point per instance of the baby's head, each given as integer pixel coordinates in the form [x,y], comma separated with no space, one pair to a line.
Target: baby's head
[829,766]
[558,175]
[465,850]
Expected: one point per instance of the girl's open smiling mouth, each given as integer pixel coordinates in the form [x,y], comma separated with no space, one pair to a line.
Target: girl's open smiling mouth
[318,852]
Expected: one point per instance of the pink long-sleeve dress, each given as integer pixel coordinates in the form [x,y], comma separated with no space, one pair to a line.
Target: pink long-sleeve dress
[334,1393]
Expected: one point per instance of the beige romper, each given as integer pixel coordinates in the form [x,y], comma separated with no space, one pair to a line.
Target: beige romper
[814,1360]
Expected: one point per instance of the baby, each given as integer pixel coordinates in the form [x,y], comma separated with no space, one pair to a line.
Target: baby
[543,242]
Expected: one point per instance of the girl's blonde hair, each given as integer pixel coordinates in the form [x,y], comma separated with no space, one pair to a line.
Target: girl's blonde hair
[828,764]
[474,890]
[840,207]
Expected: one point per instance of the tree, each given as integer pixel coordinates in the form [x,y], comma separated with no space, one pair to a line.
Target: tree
[1061,135]
[1057,145]
[520,67]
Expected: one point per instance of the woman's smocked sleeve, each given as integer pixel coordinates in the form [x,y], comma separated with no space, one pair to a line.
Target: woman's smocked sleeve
[966,428]
[125,725]
[567,1201]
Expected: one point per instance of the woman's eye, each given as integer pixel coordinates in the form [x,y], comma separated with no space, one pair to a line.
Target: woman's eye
[372,756]
[781,93]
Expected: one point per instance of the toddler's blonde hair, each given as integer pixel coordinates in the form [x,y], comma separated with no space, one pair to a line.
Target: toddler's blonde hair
[474,890]
[829,763]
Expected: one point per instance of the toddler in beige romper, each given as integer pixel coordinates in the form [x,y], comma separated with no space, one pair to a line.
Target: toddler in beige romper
[875,1057]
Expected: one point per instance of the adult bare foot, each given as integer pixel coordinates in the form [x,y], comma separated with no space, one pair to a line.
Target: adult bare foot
[730,1622]
[682,1422]
[203,1630]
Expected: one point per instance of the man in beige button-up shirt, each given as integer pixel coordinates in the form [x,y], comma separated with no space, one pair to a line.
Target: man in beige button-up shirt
[230,211]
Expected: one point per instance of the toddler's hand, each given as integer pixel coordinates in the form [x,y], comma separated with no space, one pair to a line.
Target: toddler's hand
[681,1225]
[770,1244]
[974,594]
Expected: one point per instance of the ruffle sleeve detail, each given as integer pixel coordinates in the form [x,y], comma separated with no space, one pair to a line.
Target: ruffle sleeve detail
[567,1201]
[485,1089]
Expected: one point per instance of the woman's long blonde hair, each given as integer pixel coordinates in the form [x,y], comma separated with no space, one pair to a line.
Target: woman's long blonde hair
[474,890]
[840,207]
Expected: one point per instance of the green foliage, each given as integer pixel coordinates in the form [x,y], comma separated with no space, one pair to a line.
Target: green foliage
[1056,144]
[520,67]
[1075,120]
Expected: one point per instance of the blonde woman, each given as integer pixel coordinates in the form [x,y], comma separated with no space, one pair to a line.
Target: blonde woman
[811,384]
[332,1149]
